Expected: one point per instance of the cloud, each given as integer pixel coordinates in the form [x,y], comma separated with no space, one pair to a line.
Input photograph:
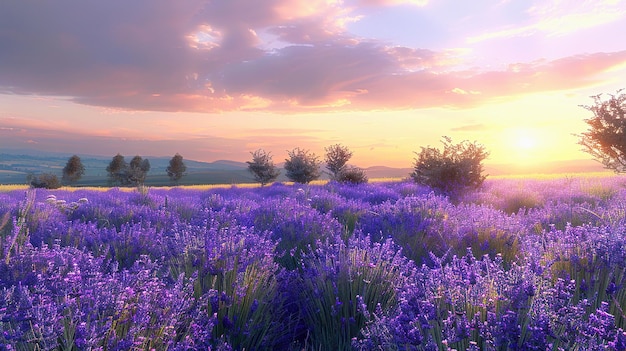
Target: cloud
[558,18]
[243,55]
[20,133]
[419,3]
[469,128]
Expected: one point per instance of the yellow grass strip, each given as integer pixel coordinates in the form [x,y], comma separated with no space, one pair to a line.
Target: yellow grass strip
[11,187]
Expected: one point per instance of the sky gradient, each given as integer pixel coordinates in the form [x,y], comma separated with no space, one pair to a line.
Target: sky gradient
[218,79]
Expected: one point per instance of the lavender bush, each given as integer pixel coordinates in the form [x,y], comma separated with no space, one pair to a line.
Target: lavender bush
[514,265]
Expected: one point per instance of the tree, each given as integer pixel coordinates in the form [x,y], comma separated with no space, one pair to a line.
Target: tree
[606,138]
[73,170]
[262,167]
[128,174]
[336,158]
[457,168]
[176,169]
[117,170]
[45,181]
[302,166]
[137,170]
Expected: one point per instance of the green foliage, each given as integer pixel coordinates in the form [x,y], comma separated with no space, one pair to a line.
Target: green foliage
[262,167]
[45,181]
[606,138]
[302,166]
[73,170]
[117,170]
[354,175]
[336,158]
[176,169]
[241,301]
[128,174]
[457,168]
[347,283]
[138,170]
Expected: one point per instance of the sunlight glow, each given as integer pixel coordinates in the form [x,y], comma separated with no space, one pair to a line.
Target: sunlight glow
[525,142]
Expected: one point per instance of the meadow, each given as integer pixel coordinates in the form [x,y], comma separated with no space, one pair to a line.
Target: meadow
[520,264]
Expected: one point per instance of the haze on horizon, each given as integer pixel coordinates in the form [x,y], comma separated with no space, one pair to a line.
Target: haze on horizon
[217,79]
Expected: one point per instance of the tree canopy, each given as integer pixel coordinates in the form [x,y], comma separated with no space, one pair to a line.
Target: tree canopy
[455,168]
[73,170]
[302,166]
[605,139]
[262,167]
[128,174]
[117,170]
[337,156]
[176,170]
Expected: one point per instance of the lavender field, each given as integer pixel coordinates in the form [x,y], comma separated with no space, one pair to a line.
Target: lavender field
[518,265]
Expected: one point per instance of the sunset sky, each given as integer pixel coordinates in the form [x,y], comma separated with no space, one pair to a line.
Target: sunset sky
[217,79]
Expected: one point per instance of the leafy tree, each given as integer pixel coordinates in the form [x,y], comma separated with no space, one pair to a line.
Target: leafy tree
[176,169]
[117,170]
[457,168]
[302,166]
[354,175]
[262,167]
[128,174]
[44,181]
[606,138]
[336,158]
[73,170]
[138,170]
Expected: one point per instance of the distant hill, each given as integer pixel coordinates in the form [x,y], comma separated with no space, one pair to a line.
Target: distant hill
[15,165]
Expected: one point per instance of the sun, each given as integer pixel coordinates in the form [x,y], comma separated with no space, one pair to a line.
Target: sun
[525,142]
[524,145]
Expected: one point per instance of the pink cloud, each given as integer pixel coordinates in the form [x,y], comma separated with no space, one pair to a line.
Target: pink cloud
[208,56]
[25,133]
[393,2]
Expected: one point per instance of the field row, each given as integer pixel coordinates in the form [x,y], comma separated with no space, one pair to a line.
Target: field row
[518,265]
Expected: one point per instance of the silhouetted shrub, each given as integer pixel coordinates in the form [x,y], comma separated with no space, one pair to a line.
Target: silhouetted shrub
[45,181]
[457,168]
[354,175]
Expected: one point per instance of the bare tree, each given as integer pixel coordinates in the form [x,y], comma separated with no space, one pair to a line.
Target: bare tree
[262,167]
